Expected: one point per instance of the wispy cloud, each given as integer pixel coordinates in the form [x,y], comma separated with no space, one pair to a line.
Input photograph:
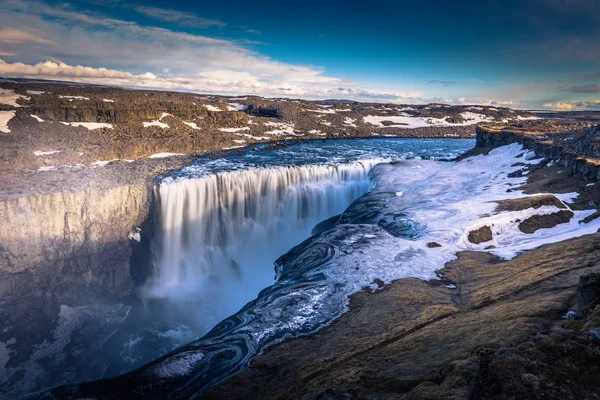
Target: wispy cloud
[19,36]
[589,88]
[220,81]
[438,82]
[178,17]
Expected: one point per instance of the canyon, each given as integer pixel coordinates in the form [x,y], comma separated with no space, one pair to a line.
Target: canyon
[89,180]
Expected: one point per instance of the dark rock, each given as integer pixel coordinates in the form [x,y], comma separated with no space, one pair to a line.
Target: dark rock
[325,225]
[481,235]
[432,245]
[337,394]
[529,202]
[588,293]
[535,222]
[561,364]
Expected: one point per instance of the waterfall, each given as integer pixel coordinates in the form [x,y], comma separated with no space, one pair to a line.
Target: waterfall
[220,234]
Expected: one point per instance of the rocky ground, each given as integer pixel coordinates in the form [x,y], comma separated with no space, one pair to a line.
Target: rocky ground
[51,125]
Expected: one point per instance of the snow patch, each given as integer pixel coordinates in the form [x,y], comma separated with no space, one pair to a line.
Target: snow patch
[10,98]
[71,98]
[212,108]
[5,116]
[236,107]
[283,128]
[45,153]
[45,168]
[164,155]
[38,119]
[350,122]
[233,130]
[192,125]
[407,121]
[103,163]
[155,123]
[89,125]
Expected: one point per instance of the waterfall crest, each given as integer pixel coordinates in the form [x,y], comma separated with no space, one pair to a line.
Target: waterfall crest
[220,234]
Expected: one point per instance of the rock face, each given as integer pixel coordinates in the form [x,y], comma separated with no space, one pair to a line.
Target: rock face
[69,248]
[588,294]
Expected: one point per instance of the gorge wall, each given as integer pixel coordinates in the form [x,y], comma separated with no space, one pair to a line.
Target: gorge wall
[71,244]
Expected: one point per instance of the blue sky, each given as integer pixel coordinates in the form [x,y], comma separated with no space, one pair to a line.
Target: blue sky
[524,54]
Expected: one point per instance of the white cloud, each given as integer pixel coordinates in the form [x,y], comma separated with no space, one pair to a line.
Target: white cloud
[93,48]
[560,106]
[221,81]
[178,17]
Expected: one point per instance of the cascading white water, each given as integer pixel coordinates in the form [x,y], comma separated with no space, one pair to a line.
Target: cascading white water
[221,233]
